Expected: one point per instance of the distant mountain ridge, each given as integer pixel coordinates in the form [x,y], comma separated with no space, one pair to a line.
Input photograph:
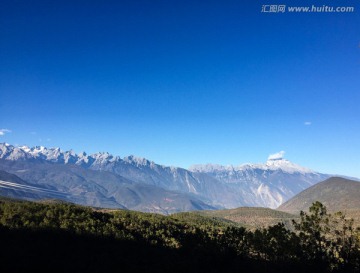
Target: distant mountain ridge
[98,179]
[271,164]
[266,185]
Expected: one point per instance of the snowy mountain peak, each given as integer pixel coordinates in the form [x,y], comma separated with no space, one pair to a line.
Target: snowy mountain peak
[101,158]
[25,148]
[277,161]
[102,155]
[286,166]
[82,154]
[274,162]
[38,148]
[138,161]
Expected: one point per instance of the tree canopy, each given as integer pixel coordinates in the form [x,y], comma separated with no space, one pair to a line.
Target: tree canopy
[318,240]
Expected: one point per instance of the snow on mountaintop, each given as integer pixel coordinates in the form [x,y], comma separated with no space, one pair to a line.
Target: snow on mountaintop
[277,161]
[56,155]
[25,148]
[10,152]
[103,157]
[139,161]
[286,165]
[274,162]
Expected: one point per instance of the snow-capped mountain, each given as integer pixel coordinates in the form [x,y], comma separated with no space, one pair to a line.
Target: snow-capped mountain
[90,175]
[274,162]
[268,185]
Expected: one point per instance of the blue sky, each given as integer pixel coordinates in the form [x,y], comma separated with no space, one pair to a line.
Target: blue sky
[183,82]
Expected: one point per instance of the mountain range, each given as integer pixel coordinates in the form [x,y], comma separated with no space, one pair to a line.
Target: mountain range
[104,180]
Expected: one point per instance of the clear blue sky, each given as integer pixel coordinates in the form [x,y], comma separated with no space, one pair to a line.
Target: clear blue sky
[183,82]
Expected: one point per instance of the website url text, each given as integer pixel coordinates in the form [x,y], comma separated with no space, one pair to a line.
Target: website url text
[324,9]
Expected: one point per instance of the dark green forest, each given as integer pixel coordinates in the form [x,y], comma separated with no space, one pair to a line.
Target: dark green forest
[61,237]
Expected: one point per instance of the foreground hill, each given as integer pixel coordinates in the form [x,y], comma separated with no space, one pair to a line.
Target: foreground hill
[337,194]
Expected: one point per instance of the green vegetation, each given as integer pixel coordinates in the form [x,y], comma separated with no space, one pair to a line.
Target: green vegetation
[251,217]
[61,237]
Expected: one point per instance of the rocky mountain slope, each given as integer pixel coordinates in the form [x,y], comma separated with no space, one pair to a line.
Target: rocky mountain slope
[264,185]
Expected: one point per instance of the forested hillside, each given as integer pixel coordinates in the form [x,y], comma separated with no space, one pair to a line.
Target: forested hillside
[251,217]
[60,237]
